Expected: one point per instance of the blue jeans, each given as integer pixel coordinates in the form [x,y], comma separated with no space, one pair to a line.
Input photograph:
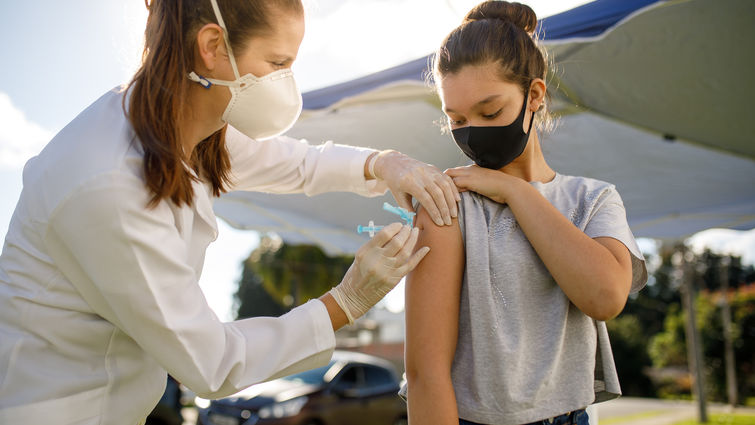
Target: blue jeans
[577,417]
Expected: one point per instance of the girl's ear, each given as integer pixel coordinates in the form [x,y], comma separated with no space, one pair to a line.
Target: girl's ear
[537,94]
[210,46]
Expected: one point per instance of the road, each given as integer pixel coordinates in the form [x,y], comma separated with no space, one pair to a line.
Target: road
[656,412]
[648,411]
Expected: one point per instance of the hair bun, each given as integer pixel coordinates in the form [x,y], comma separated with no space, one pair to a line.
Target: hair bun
[518,14]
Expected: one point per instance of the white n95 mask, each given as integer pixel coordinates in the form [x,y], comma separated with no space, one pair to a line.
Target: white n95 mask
[260,107]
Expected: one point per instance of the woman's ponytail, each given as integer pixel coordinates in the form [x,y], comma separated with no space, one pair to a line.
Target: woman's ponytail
[156,104]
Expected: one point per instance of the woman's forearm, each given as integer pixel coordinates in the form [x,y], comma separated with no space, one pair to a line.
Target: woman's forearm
[594,273]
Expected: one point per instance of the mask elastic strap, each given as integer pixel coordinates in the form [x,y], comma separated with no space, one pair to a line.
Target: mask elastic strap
[209,82]
[531,121]
[225,37]
[524,108]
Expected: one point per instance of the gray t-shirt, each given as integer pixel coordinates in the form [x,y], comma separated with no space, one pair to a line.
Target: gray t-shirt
[524,351]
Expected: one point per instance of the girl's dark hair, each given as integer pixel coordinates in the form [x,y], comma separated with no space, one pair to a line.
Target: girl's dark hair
[497,32]
[156,105]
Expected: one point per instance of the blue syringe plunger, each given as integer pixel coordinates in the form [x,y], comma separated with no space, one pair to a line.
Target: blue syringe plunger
[405,215]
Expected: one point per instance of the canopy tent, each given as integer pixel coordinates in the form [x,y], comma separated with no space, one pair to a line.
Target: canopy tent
[652,97]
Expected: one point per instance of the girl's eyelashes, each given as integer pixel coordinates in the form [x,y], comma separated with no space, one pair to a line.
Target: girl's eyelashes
[493,115]
[462,121]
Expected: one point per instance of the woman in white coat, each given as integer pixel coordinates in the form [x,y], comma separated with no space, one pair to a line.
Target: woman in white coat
[99,270]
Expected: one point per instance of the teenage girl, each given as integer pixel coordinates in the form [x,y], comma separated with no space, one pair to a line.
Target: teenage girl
[505,316]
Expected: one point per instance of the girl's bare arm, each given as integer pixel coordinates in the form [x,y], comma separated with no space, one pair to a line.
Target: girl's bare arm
[432,323]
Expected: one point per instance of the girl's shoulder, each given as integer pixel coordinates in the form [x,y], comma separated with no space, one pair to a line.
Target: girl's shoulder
[580,189]
[581,183]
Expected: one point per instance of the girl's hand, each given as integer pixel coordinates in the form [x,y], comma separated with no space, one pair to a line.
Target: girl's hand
[486,182]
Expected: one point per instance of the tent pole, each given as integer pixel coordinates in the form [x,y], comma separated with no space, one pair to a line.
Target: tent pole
[686,272]
[731,377]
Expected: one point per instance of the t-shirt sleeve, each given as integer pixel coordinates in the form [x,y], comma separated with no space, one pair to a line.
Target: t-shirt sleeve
[608,218]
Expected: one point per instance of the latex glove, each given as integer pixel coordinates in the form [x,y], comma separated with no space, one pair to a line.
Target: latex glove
[378,266]
[407,177]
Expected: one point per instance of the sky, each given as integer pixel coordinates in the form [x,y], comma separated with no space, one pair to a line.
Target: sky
[59,57]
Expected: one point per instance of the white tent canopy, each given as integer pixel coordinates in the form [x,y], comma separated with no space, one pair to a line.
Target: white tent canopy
[654,69]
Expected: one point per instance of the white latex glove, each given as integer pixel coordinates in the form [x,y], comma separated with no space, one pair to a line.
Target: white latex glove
[407,177]
[378,266]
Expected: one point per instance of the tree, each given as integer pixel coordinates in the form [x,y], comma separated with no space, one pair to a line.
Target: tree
[629,345]
[668,347]
[653,319]
[643,316]
[651,304]
[277,277]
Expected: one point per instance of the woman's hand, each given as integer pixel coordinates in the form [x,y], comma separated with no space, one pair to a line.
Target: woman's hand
[486,182]
[378,266]
[407,177]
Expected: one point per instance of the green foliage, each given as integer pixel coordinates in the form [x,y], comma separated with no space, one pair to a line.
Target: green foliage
[642,317]
[668,348]
[277,277]
[629,342]
[252,300]
[651,304]
[656,310]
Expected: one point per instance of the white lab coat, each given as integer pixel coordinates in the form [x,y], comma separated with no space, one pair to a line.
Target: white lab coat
[99,294]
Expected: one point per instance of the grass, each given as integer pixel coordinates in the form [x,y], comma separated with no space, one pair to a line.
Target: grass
[628,419]
[722,419]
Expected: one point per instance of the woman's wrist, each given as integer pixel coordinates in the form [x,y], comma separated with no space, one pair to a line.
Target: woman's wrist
[338,317]
[376,163]
[369,166]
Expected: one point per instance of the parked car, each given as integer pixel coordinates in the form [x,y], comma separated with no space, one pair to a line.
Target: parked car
[353,389]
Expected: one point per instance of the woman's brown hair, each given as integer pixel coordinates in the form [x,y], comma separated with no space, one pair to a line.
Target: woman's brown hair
[156,105]
[497,32]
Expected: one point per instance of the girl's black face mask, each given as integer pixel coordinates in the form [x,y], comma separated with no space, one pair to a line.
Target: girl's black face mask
[494,146]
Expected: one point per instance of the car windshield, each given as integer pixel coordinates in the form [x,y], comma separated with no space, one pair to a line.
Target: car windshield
[314,376]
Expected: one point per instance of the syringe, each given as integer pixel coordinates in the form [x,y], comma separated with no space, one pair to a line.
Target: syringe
[405,215]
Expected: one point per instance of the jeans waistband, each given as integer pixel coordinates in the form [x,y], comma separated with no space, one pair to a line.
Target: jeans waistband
[568,418]
[576,417]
